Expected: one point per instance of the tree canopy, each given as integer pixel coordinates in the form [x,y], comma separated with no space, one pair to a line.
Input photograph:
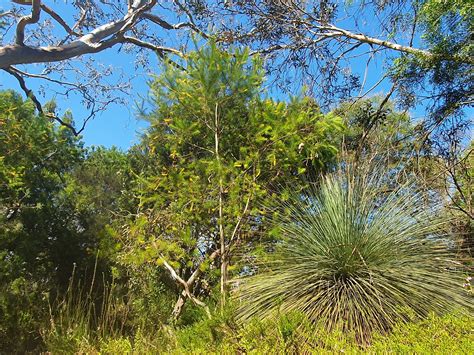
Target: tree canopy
[423,46]
[218,149]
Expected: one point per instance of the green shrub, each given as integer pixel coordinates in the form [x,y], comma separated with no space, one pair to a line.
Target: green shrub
[116,346]
[207,334]
[452,334]
[23,311]
[292,333]
[295,334]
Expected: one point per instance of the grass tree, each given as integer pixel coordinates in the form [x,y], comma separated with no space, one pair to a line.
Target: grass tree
[357,255]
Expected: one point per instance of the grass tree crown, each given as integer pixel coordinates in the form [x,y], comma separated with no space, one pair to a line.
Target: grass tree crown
[358,256]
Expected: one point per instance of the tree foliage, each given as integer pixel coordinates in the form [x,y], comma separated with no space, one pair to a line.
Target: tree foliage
[35,157]
[38,240]
[55,205]
[217,149]
[447,28]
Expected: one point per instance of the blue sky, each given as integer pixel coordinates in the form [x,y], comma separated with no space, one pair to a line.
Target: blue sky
[118,125]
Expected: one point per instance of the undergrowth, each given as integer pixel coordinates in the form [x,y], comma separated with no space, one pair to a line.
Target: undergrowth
[289,334]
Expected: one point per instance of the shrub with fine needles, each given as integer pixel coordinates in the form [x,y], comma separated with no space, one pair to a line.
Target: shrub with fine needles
[357,255]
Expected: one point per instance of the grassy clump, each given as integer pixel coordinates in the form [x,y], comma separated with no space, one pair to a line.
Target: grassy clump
[358,256]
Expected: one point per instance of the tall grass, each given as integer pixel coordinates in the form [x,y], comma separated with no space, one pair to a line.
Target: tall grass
[82,317]
[357,255]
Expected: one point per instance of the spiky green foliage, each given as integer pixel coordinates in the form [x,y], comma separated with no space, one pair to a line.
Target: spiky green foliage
[357,257]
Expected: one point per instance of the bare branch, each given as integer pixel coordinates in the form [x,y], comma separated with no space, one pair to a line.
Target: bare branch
[22,2]
[93,42]
[29,93]
[239,220]
[7,13]
[339,32]
[99,39]
[168,26]
[186,285]
[81,18]
[27,20]
[175,275]
[90,43]
[318,31]
[44,77]
[198,270]
[59,20]
[192,24]
[372,87]
[159,49]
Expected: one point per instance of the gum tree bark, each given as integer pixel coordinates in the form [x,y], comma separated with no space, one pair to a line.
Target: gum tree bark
[100,38]
[65,50]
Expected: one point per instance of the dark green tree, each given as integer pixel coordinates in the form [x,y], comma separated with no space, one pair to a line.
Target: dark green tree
[56,202]
[38,233]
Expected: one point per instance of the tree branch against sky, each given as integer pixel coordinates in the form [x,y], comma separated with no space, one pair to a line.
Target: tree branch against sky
[418,50]
[67,37]
[82,42]
[327,43]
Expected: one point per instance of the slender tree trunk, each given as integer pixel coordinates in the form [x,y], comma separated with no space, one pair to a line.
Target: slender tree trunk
[223,249]
[224,263]
[224,277]
[178,307]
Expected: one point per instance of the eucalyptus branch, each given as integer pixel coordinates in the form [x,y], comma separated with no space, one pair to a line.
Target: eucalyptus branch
[28,92]
[59,20]
[27,20]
